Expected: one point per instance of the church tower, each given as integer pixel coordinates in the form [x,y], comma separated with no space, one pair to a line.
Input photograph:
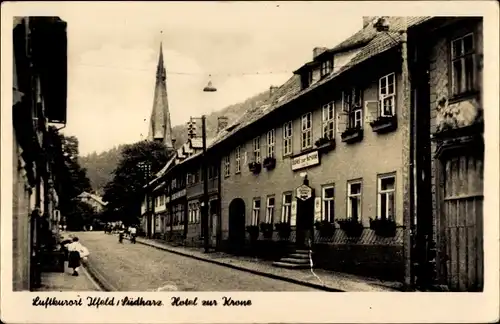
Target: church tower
[160,128]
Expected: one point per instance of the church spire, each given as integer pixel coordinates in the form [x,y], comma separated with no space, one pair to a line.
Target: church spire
[160,128]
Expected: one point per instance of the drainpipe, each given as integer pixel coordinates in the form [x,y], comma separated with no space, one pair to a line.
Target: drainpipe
[408,161]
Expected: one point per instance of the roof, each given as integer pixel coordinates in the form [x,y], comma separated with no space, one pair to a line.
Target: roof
[94,197]
[368,40]
[374,43]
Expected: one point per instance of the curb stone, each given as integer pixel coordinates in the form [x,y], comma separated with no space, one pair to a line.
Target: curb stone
[98,278]
[257,272]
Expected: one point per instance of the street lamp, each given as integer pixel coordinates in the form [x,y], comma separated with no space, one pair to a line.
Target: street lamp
[145,167]
[382,24]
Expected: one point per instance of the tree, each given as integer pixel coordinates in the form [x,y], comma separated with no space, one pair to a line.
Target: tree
[70,178]
[124,193]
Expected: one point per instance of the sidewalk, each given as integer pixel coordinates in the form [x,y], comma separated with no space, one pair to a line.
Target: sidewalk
[57,281]
[328,280]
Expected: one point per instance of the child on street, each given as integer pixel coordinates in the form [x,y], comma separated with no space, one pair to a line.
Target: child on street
[76,252]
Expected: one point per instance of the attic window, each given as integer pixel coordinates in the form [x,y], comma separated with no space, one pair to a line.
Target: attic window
[326,67]
[306,79]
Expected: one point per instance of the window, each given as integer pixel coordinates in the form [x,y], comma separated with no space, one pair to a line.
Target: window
[287,208]
[328,121]
[328,212]
[197,212]
[270,143]
[270,210]
[190,213]
[306,79]
[351,104]
[354,200]
[287,138]
[256,211]
[256,149]
[386,189]
[326,67]
[226,166]
[462,61]
[387,95]
[237,158]
[306,140]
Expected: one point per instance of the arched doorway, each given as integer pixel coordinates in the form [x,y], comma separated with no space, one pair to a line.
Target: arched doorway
[236,225]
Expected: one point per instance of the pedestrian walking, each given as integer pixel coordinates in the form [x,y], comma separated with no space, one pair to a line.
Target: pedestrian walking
[121,234]
[77,252]
[133,234]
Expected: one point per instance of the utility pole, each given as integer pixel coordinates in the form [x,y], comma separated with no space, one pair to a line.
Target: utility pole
[208,88]
[206,222]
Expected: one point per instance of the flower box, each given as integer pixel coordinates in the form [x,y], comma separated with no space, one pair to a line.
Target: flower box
[254,167]
[325,144]
[384,124]
[383,227]
[352,227]
[269,163]
[352,135]
[284,230]
[253,230]
[267,230]
[325,228]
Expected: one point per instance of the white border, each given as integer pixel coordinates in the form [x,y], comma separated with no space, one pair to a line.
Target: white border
[276,307]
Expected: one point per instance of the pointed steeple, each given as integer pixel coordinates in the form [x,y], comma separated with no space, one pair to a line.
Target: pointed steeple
[160,128]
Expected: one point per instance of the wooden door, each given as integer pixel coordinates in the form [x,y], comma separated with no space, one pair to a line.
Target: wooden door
[463,222]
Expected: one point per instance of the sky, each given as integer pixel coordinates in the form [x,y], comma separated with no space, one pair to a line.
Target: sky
[246,47]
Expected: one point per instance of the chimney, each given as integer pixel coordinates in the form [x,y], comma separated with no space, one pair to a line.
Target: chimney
[222,122]
[318,50]
[272,90]
[368,20]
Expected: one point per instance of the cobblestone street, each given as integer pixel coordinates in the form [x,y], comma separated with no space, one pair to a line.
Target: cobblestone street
[136,267]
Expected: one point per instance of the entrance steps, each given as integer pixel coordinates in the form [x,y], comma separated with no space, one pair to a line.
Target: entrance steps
[298,259]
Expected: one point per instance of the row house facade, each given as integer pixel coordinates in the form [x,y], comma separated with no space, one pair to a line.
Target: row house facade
[39,101]
[327,164]
[177,197]
[371,155]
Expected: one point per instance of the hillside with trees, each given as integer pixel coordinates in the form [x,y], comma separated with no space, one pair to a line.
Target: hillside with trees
[100,166]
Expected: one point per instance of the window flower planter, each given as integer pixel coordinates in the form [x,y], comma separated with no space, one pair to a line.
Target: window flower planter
[269,163]
[267,230]
[352,227]
[383,227]
[254,167]
[384,124]
[253,230]
[325,144]
[352,135]
[284,230]
[325,228]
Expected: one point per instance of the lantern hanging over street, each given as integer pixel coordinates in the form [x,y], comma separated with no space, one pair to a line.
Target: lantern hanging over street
[209,87]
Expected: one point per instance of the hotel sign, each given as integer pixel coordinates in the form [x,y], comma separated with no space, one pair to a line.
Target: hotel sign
[179,194]
[304,192]
[305,160]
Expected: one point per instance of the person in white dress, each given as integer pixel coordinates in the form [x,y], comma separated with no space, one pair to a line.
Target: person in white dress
[77,252]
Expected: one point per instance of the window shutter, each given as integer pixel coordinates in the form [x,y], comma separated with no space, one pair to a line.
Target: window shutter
[371,110]
[293,216]
[342,122]
[317,209]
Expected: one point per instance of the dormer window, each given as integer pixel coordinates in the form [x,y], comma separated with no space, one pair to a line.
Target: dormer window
[326,67]
[306,79]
